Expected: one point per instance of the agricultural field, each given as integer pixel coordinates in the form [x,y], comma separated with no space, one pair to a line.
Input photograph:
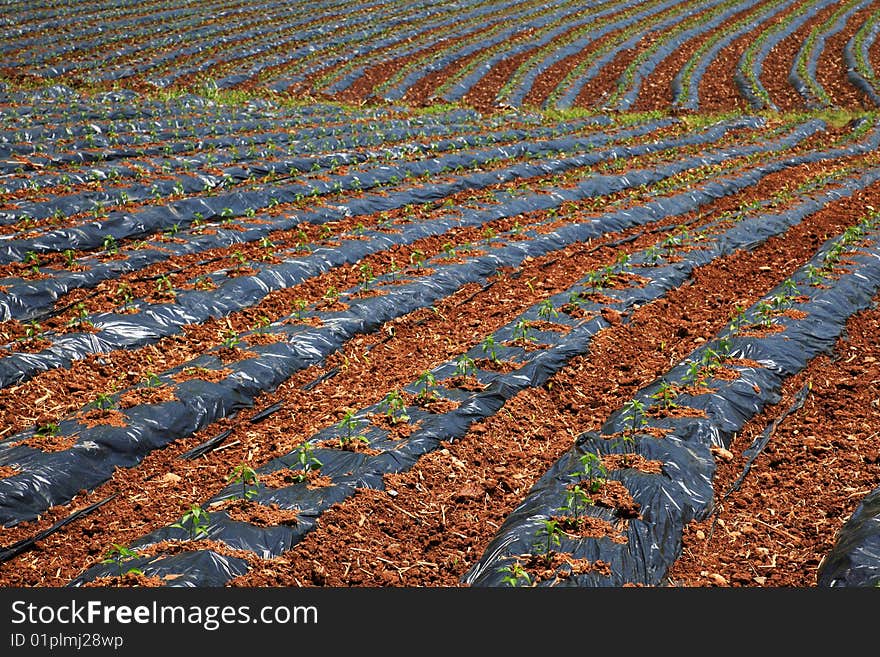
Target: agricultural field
[440,294]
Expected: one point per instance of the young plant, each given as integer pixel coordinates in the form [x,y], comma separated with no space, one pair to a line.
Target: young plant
[634,415]
[118,554]
[247,477]
[551,533]
[195,521]
[465,366]
[515,574]
[47,429]
[103,402]
[488,346]
[350,425]
[522,330]
[593,471]
[366,274]
[427,384]
[576,502]
[394,406]
[665,395]
[307,462]
[231,339]
[765,313]
[546,310]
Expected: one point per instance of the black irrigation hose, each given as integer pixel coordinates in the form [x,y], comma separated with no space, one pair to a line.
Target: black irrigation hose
[205,447]
[757,447]
[26,544]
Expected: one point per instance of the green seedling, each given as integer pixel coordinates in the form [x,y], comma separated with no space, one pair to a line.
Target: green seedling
[350,425]
[488,346]
[576,502]
[427,384]
[247,478]
[48,429]
[739,320]
[299,307]
[546,310]
[465,366]
[164,287]
[665,395]
[394,406]
[103,401]
[593,470]
[417,259]
[195,521]
[262,324]
[109,245]
[69,257]
[515,574]
[307,462]
[152,380]
[522,330]
[694,374]
[231,340]
[551,533]
[765,313]
[118,554]
[815,276]
[366,274]
[634,414]
[33,260]
[81,316]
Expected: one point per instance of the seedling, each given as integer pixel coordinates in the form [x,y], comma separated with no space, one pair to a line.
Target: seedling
[765,313]
[551,532]
[428,386]
[738,320]
[118,554]
[104,401]
[307,462]
[465,366]
[515,574]
[48,429]
[247,477]
[33,330]
[350,425]
[665,395]
[69,257]
[299,307]
[164,287]
[694,374]
[522,330]
[109,244]
[653,255]
[814,275]
[488,346]
[195,521]
[81,314]
[576,502]
[231,339]
[268,248]
[417,259]
[448,250]
[546,310]
[367,275]
[634,414]
[153,380]
[593,470]
[31,258]
[394,406]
